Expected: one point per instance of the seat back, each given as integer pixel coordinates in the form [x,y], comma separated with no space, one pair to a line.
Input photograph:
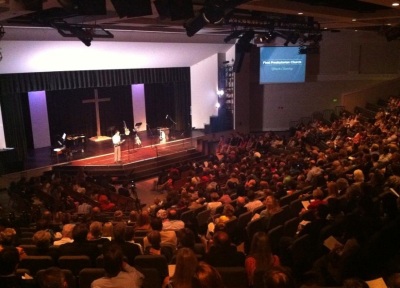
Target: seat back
[278,218]
[74,263]
[275,235]
[259,209]
[69,277]
[30,249]
[256,225]
[233,277]
[290,226]
[36,263]
[202,220]
[88,275]
[187,216]
[158,262]
[151,276]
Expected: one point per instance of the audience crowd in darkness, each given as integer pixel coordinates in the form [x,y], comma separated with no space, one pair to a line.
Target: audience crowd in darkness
[347,170]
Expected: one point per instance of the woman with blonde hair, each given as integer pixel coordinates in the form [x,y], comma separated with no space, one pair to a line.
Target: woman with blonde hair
[107,231]
[358,176]
[185,269]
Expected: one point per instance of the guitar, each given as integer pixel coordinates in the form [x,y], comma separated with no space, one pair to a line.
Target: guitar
[127,132]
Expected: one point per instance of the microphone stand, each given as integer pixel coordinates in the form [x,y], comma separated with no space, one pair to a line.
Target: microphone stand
[170,130]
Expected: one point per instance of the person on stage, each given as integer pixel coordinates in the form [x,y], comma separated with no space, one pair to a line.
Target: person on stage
[116,139]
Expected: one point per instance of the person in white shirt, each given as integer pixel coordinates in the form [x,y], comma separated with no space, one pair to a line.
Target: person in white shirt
[66,235]
[172,222]
[116,140]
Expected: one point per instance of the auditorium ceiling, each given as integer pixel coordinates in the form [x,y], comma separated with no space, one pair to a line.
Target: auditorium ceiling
[331,15]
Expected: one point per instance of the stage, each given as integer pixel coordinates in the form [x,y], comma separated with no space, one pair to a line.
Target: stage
[102,152]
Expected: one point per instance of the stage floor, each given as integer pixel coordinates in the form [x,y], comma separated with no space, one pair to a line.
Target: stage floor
[101,153]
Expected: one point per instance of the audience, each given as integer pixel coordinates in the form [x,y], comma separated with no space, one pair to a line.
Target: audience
[349,164]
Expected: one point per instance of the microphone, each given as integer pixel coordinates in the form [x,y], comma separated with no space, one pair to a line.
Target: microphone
[166,117]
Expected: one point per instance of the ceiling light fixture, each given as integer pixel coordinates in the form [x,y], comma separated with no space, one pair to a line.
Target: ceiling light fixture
[395,4]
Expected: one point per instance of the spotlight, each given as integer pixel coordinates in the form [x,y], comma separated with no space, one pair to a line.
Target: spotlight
[233,35]
[194,25]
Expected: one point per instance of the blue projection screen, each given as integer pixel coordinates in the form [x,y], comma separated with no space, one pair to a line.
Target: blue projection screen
[282,65]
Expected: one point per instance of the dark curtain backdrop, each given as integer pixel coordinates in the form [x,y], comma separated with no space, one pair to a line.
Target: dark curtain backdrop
[15,108]
[68,114]
[169,99]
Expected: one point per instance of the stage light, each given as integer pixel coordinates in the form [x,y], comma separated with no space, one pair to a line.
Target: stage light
[233,35]
[217,105]
[194,25]
[220,93]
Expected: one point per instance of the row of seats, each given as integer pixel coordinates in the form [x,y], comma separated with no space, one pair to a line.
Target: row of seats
[154,268]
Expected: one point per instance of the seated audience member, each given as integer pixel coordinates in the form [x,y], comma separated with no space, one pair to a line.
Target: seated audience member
[260,256]
[96,215]
[207,276]
[271,206]
[42,240]
[278,277]
[240,206]
[214,203]
[80,246]
[186,265]
[168,237]
[223,253]
[225,198]
[172,222]
[227,214]
[95,233]
[186,238]
[118,217]
[7,239]
[252,203]
[105,203]
[9,260]
[66,235]
[107,231]
[143,221]
[129,250]
[155,247]
[118,272]
[52,277]
[132,218]
[317,199]
[84,208]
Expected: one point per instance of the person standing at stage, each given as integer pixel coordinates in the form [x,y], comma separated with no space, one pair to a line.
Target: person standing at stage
[116,139]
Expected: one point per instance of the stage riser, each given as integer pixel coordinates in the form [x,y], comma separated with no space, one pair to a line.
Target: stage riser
[137,170]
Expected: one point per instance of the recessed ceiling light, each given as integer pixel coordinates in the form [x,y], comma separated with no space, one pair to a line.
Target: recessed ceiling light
[354,19]
[300,13]
[395,4]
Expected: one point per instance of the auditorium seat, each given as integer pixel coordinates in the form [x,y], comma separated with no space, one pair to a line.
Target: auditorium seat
[74,263]
[88,275]
[36,263]
[233,277]
[69,277]
[158,262]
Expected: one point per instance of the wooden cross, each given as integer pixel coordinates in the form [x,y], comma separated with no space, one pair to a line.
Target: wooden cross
[96,102]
